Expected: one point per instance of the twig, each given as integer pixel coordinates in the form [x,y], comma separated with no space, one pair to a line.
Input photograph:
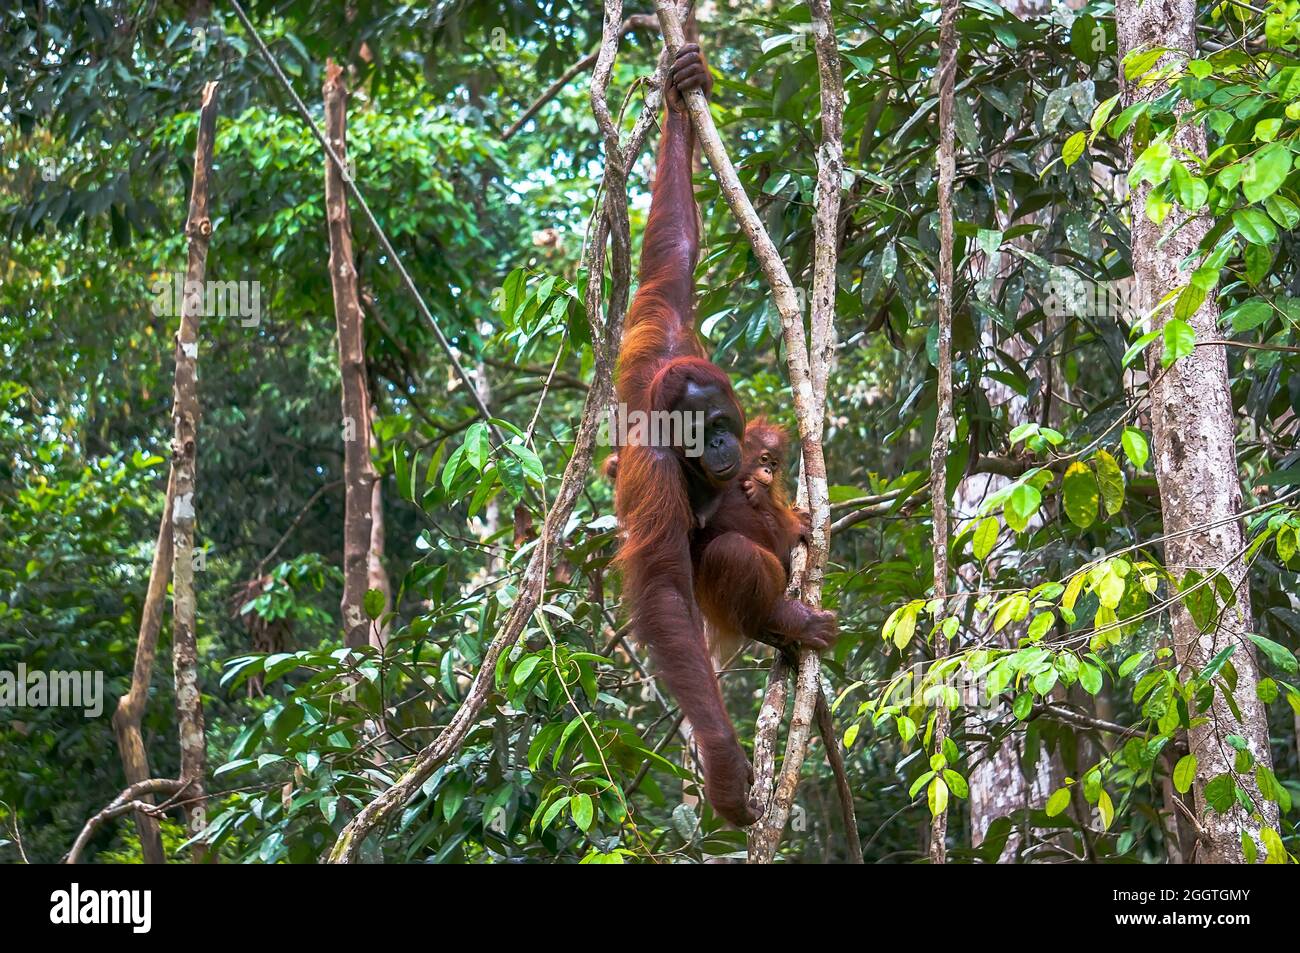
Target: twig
[826,728]
[297,520]
[639,21]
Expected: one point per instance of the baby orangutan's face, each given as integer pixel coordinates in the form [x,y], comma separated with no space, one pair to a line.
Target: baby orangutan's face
[770,459]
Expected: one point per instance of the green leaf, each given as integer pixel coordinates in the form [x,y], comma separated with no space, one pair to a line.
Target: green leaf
[1074,148]
[1058,802]
[1273,844]
[1041,625]
[1259,259]
[1022,706]
[1106,809]
[1110,479]
[1090,677]
[1072,590]
[1266,129]
[583,811]
[1279,655]
[1138,346]
[1265,173]
[1108,586]
[1153,165]
[1088,40]
[1184,773]
[478,450]
[1249,314]
[512,293]
[1021,505]
[1283,211]
[1140,62]
[1190,190]
[1135,447]
[1179,340]
[1220,793]
[905,629]
[956,783]
[553,811]
[532,466]
[906,729]
[1189,302]
[851,735]
[1254,226]
[374,603]
[985,538]
[989,240]
[938,796]
[1130,664]
[1266,690]
[1266,781]
[524,669]
[1286,543]
[1080,494]
[919,783]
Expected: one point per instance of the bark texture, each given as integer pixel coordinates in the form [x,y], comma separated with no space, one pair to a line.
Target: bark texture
[1193,426]
[943,420]
[185,420]
[376,574]
[359,476]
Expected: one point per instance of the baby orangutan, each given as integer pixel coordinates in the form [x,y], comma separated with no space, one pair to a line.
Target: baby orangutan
[756,523]
[762,480]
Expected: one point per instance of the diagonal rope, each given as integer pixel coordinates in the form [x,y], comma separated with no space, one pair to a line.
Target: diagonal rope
[370,217]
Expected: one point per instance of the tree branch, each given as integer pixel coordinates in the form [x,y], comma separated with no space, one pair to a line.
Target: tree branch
[132,798]
[639,21]
[129,714]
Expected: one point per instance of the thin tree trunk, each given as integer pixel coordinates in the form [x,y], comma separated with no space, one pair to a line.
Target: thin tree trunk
[1192,424]
[943,421]
[185,415]
[359,474]
[376,574]
[129,715]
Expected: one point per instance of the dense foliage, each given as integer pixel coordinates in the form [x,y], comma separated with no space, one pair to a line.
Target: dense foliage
[577,756]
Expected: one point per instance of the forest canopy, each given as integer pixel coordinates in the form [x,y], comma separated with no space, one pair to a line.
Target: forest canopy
[308,551]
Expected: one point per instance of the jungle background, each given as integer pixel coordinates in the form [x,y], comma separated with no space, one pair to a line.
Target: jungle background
[1071,745]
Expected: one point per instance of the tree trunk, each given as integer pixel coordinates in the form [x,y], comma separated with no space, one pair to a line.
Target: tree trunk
[185,418]
[1192,424]
[376,574]
[130,707]
[358,472]
[944,426]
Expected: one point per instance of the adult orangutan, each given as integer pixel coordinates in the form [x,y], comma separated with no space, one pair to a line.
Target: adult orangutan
[672,565]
